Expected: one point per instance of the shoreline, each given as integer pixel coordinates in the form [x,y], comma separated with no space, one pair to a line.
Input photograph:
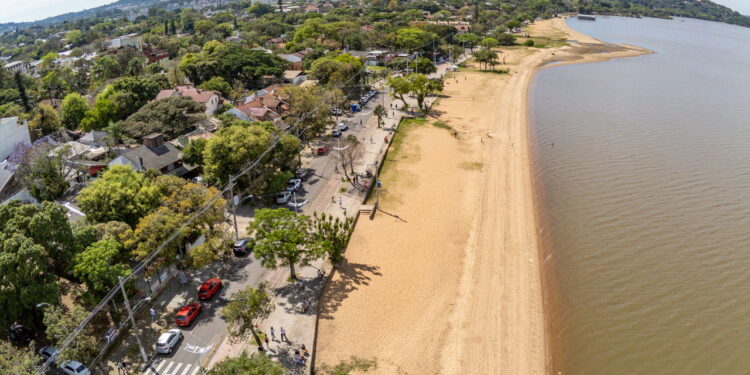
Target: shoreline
[449,277]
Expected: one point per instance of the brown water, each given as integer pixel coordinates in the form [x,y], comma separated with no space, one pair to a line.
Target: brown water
[643,172]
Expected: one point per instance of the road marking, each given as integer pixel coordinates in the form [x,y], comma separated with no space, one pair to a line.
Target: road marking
[166,370]
[187,369]
[176,369]
[161,364]
[195,371]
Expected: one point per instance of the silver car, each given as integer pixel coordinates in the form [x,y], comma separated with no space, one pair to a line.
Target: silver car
[168,341]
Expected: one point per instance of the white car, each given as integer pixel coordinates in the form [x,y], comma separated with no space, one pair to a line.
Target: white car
[293,184]
[342,126]
[74,368]
[48,352]
[168,341]
[283,197]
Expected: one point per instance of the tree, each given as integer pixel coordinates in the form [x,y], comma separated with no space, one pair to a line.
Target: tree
[217,84]
[348,155]
[468,40]
[100,265]
[282,238]
[25,278]
[380,112]
[455,52]
[400,86]
[259,9]
[22,91]
[172,116]
[193,152]
[54,84]
[121,194]
[73,110]
[256,364]
[332,234]
[45,120]
[104,68]
[506,39]
[486,57]
[42,171]
[423,65]
[19,361]
[413,39]
[421,86]
[246,309]
[60,322]
[74,37]
[230,148]
[489,43]
[309,111]
[154,229]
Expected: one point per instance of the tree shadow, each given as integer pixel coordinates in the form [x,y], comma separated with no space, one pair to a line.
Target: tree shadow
[351,276]
[298,293]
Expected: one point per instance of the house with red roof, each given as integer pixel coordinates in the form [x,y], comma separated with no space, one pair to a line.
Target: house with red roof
[211,99]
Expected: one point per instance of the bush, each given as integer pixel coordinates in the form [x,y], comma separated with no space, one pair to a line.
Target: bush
[529,43]
[506,39]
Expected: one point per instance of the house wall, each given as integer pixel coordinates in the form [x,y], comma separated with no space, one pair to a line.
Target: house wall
[12,133]
[212,105]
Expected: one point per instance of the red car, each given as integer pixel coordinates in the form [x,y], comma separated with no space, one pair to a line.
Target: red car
[209,289]
[187,314]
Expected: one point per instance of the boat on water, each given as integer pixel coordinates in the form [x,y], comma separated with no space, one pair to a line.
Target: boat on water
[587,17]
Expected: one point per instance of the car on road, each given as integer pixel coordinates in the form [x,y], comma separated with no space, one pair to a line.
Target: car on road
[283,197]
[74,368]
[336,112]
[168,341]
[322,150]
[48,352]
[293,184]
[303,173]
[240,247]
[209,288]
[336,133]
[342,126]
[187,314]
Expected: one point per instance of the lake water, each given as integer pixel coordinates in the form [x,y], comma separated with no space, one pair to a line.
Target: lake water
[642,168]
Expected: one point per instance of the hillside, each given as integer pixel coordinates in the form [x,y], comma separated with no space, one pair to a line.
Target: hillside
[701,9]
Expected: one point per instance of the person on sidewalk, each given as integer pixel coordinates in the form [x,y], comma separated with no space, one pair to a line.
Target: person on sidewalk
[267,343]
[283,335]
[154,315]
[119,368]
[273,335]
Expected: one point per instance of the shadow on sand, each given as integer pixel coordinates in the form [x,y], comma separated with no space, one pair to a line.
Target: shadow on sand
[351,276]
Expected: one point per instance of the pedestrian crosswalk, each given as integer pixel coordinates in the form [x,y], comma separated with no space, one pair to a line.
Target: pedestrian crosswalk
[167,367]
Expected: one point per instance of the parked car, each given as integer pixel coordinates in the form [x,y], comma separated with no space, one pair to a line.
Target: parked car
[336,133]
[322,150]
[168,341]
[209,288]
[336,112]
[303,173]
[293,184]
[240,247]
[74,368]
[342,126]
[283,197]
[48,352]
[187,314]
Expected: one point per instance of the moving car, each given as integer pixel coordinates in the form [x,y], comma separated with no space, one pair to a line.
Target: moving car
[322,150]
[187,314]
[48,352]
[209,288]
[168,341]
[283,197]
[74,368]
[293,184]
[240,247]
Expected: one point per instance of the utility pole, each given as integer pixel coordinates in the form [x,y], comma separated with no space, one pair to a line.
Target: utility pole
[132,321]
[235,203]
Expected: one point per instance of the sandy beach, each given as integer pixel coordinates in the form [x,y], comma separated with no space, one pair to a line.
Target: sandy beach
[447,279]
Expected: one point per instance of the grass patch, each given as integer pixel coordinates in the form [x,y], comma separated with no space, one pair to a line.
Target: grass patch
[544,42]
[441,125]
[472,166]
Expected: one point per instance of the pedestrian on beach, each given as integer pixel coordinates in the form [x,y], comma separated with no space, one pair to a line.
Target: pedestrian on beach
[341,203]
[283,334]
[119,367]
[154,316]
[273,335]
[304,350]
[267,343]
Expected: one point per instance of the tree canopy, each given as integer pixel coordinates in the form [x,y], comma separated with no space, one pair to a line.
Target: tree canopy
[172,116]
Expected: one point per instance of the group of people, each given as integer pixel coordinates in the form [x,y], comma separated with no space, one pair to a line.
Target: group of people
[300,355]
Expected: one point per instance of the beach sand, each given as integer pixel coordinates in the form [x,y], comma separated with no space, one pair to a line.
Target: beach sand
[447,279]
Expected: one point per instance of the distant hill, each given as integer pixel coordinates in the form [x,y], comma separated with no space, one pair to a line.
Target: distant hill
[701,9]
[115,8]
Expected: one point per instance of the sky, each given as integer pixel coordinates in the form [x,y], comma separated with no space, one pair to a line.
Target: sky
[32,10]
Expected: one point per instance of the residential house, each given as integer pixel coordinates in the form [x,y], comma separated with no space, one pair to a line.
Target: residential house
[11,133]
[294,77]
[17,66]
[154,55]
[154,153]
[94,138]
[211,99]
[131,40]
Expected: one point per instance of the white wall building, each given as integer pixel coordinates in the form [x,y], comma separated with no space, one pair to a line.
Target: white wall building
[11,133]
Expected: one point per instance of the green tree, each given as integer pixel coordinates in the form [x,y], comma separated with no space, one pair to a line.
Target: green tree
[154,229]
[421,86]
[332,234]
[121,194]
[259,9]
[217,84]
[413,39]
[172,116]
[25,278]
[283,238]
[75,37]
[73,110]
[506,39]
[20,361]
[45,120]
[43,172]
[54,84]
[380,112]
[424,66]
[256,364]
[193,152]
[100,265]
[104,68]
[246,309]
[60,322]
[400,86]
[230,148]
[309,113]
[468,40]
[489,43]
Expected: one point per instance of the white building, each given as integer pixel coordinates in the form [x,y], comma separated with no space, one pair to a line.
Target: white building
[12,133]
[132,40]
[17,66]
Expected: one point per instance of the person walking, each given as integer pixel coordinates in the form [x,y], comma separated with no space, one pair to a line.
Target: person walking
[273,335]
[154,315]
[119,367]
[283,335]
[268,345]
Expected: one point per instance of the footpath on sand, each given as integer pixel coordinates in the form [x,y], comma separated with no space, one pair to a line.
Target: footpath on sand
[449,280]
